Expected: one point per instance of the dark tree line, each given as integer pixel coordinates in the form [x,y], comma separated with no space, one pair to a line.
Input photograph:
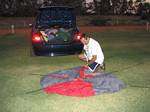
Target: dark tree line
[101,7]
[18,7]
[29,7]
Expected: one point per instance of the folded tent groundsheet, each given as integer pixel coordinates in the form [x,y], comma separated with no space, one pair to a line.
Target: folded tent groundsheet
[71,82]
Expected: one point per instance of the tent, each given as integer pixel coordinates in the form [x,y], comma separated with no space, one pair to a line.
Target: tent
[75,82]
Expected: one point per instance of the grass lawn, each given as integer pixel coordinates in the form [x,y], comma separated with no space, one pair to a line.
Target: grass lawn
[128,53]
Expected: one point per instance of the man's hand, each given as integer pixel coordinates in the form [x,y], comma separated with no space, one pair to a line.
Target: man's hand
[94,57]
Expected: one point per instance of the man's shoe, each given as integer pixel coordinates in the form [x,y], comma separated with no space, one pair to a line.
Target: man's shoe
[102,66]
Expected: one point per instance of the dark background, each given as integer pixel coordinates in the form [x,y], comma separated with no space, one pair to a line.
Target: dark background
[24,8]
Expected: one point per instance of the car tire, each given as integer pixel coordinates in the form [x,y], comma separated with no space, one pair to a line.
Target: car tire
[32,52]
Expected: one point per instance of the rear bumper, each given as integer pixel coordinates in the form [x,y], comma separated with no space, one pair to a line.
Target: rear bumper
[57,50]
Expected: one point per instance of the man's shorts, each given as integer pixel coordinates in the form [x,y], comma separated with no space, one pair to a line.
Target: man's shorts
[92,67]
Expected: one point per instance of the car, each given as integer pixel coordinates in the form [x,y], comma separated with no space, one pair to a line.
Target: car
[54,32]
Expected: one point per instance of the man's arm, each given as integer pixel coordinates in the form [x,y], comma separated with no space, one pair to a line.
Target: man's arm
[94,57]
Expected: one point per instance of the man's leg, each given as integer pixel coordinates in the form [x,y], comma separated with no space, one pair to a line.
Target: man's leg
[92,67]
[100,68]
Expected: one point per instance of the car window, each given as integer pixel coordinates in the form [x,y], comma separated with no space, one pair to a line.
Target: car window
[63,17]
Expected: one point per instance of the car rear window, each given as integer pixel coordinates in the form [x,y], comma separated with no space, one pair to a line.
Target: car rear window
[56,16]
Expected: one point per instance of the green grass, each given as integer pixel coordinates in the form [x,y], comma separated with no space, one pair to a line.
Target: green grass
[20,73]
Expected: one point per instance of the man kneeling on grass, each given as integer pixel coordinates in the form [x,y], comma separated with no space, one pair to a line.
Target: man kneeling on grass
[92,55]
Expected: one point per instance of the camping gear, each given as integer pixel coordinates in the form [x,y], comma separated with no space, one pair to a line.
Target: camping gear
[74,82]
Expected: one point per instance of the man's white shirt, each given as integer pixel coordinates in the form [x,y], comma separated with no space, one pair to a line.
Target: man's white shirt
[94,48]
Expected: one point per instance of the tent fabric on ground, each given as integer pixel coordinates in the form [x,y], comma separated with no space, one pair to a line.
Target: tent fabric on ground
[73,82]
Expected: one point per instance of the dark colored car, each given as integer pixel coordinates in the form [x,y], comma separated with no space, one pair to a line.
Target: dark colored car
[54,32]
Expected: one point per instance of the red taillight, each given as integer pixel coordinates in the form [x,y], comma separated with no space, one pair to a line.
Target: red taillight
[78,36]
[36,38]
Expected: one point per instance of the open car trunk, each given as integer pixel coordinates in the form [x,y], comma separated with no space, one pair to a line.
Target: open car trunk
[57,24]
[58,35]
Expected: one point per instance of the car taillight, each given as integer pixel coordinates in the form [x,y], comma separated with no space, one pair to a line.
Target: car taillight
[77,36]
[36,38]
